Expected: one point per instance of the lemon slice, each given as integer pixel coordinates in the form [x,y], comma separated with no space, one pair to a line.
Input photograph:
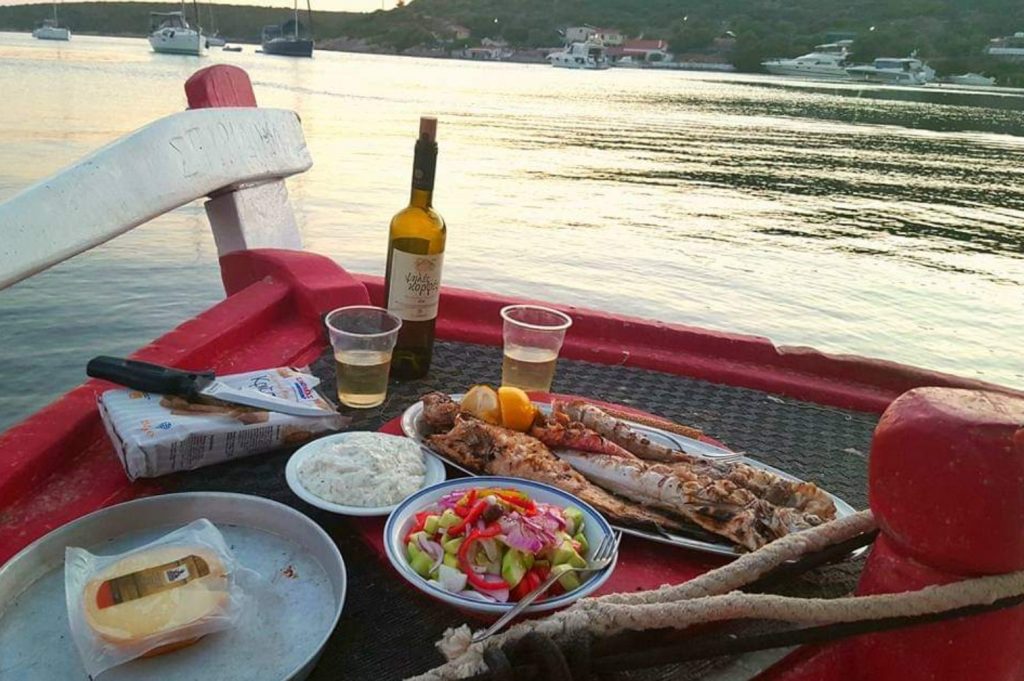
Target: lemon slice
[517,411]
[482,402]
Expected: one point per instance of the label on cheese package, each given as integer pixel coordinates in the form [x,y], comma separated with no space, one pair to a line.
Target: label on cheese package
[151,580]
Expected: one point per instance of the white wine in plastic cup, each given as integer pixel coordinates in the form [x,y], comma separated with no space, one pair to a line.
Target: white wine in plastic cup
[528,368]
[362,377]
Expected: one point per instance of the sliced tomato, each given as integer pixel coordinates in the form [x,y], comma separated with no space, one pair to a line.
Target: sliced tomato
[519,591]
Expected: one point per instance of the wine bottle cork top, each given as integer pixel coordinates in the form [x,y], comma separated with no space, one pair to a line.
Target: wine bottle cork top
[428,128]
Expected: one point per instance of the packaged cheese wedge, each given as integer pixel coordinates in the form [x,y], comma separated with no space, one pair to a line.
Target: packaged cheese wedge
[153,599]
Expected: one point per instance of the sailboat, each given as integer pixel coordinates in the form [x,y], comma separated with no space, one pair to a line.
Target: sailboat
[170,33]
[285,39]
[214,39]
[51,29]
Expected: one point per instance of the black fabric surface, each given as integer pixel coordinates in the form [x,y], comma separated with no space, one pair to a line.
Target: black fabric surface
[388,629]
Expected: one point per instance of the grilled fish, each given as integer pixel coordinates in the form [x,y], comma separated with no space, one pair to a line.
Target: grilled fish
[559,431]
[439,411]
[805,497]
[717,505]
[484,448]
[620,433]
[746,505]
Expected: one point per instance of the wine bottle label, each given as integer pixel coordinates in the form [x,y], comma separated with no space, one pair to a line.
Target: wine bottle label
[415,285]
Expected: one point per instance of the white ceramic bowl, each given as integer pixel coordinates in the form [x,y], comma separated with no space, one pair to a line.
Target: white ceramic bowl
[435,473]
[400,521]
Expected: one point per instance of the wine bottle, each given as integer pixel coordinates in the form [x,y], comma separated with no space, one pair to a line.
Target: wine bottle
[412,284]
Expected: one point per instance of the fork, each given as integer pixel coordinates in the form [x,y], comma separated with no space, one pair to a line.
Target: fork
[602,557]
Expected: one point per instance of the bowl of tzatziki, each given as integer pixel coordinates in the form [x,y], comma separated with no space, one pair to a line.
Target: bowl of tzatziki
[361,473]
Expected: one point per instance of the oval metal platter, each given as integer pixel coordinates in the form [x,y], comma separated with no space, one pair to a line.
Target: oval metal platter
[296,602]
[414,427]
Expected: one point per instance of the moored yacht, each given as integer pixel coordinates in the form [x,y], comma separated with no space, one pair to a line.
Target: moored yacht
[588,55]
[290,39]
[51,29]
[826,61]
[170,33]
[905,71]
[974,79]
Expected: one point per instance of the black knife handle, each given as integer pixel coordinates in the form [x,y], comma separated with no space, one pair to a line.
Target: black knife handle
[150,378]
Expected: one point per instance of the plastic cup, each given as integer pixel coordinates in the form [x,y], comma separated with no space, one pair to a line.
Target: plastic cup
[533,337]
[363,338]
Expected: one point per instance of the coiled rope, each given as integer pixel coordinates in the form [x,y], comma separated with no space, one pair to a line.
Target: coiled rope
[712,598]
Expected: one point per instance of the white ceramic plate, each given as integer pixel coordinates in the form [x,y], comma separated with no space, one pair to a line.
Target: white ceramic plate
[435,473]
[595,528]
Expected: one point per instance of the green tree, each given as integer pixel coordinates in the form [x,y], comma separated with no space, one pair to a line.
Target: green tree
[405,37]
[692,34]
[539,37]
[516,35]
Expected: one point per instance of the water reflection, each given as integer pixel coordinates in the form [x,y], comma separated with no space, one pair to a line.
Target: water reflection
[939,193]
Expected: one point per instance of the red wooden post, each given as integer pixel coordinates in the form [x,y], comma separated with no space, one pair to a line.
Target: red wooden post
[220,85]
[946,485]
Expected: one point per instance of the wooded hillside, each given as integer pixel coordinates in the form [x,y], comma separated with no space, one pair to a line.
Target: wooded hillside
[951,34]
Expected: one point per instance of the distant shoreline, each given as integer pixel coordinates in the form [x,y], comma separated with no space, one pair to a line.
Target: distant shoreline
[517,58]
[93,34]
[355,46]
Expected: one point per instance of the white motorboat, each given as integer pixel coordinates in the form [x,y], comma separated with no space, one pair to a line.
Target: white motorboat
[170,33]
[628,62]
[588,55]
[970,79]
[826,61]
[51,29]
[905,71]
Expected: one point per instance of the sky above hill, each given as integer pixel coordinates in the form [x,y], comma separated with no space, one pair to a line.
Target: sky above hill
[331,5]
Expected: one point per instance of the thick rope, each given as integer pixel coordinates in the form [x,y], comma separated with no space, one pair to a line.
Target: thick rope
[981,591]
[751,566]
[604,618]
[707,599]
[743,570]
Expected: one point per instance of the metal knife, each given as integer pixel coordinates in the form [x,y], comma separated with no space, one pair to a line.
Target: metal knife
[153,378]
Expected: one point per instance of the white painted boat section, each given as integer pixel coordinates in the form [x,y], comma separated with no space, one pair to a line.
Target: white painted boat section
[155,169]
[254,217]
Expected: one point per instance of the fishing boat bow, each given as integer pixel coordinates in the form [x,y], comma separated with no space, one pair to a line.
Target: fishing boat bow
[57,465]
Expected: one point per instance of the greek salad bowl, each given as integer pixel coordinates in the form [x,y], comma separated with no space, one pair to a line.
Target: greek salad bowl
[481,543]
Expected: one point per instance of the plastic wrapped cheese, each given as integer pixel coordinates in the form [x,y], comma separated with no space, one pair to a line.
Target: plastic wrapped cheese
[154,599]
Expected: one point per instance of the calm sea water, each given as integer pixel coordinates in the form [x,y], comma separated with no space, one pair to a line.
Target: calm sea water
[881,222]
